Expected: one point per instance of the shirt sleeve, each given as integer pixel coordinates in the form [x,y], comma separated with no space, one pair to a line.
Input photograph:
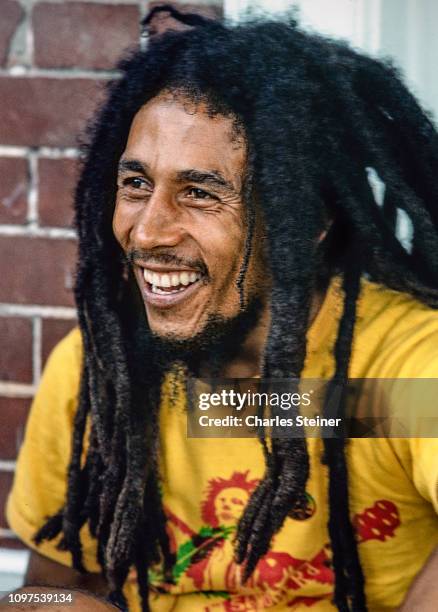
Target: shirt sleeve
[40,478]
[424,453]
[419,450]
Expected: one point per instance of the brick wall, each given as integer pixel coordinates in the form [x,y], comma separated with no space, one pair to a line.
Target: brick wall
[54,59]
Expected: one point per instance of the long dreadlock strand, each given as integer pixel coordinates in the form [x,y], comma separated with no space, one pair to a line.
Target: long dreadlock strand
[287,469]
[282,488]
[248,199]
[349,584]
[91,504]
[142,561]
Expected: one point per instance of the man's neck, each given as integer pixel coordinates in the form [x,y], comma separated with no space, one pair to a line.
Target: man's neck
[248,362]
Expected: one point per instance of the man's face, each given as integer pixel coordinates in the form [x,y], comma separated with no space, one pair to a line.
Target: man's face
[180,215]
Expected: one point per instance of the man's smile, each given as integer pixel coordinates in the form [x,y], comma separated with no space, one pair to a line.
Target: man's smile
[164,288]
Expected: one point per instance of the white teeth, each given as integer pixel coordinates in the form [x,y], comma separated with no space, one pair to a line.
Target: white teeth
[165,280]
[161,292]
[173,279]
[184,278]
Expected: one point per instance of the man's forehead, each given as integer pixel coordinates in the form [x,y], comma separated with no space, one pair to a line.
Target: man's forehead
[171,129]
[164,112]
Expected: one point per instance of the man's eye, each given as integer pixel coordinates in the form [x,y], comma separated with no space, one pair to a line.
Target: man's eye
[199,194]
[135,182]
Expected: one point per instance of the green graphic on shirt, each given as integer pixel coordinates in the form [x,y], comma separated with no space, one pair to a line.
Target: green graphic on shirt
[198,547]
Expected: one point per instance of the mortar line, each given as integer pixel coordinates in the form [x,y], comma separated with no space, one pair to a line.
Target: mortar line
[36,348]
[35,310]
[33,231]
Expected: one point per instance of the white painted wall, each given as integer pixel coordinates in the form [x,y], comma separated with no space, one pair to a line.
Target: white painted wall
[13,564]
[409,35]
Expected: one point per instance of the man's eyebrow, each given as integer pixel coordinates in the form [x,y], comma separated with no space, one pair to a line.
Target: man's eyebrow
[212,177]
[132,165]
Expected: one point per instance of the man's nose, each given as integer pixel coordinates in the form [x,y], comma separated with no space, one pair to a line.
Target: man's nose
[159,223]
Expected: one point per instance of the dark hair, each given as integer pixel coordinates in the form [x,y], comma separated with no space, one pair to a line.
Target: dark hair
[317,116]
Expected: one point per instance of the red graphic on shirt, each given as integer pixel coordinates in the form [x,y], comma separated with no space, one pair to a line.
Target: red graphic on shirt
[207,556]
[378,522]
[308,602]
[317,569]
[224,503]
[276,574]
[226,499]
[276,577]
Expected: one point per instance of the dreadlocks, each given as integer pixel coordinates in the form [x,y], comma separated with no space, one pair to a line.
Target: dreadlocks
[316,116]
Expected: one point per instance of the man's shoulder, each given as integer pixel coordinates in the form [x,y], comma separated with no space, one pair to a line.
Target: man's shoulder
[42,466]
[59,383]
[66,357]
[396,332]
[68,351]
[378,300]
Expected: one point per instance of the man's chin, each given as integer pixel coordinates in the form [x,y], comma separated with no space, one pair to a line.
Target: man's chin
[217,342]
[175,334]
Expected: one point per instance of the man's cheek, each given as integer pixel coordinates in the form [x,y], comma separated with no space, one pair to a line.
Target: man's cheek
[123,223]
[119,230]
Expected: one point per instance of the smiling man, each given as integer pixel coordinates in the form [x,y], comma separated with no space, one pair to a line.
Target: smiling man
[230,225]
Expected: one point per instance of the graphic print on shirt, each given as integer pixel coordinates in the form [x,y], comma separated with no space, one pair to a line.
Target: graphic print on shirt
[378,522]
[204,559]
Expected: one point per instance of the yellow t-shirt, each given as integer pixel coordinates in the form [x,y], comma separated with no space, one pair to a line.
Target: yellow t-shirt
[393,483]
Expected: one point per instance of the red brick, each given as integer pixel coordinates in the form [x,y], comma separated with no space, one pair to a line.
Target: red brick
[13,415]
[39,111]
[53,331]
[12,542]
[15,349]
[57,179]
[6,479]
[87,35]
[37,270]
[163,21]
[14,183]
[11,14]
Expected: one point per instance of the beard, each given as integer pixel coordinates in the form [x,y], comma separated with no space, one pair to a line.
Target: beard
[213,347]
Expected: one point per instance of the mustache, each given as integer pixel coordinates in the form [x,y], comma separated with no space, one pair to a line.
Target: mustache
[136,256]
